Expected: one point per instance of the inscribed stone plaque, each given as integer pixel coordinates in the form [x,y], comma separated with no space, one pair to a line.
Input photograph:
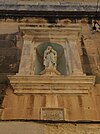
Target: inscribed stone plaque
[52,113]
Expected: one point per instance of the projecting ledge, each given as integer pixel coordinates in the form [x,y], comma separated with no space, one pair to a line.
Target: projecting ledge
[51,84]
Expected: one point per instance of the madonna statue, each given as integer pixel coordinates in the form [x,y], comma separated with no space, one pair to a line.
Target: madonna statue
[50,58]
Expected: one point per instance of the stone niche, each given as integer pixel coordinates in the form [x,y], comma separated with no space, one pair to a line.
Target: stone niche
[63,41]
[68,76]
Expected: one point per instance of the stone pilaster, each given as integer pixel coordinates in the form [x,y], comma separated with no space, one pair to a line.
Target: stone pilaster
[68,58]
[26,61]
[75,58]
[33,56]
[51,101]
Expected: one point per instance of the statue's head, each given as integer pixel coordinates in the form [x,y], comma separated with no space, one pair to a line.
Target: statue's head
[49,48]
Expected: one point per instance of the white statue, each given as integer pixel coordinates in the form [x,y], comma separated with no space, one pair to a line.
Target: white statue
[50,58]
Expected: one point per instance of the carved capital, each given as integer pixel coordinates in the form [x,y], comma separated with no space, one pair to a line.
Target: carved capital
[28,37]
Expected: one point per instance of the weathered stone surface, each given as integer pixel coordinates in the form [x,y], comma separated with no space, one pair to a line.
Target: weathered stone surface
[48,5]
[52,84]
[8,28]
[50,128]
[52,114]
[19,128]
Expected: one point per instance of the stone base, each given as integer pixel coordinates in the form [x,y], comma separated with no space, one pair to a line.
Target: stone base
[51,84]
[50,72]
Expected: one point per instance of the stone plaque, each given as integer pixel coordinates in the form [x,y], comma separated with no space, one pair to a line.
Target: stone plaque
[52,114]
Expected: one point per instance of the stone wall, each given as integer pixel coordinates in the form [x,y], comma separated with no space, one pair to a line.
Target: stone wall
[78,107]
[10,52]
[50,128]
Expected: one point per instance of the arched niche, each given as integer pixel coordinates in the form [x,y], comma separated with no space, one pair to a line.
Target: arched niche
[61,60]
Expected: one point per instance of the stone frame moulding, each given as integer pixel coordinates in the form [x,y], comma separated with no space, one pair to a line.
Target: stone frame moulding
[75,82]
[66,37]
[46,113]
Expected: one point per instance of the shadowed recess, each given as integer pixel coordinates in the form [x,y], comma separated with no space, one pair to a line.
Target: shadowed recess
[61,61]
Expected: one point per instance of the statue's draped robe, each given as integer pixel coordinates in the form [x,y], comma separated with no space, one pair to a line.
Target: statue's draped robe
[50,58]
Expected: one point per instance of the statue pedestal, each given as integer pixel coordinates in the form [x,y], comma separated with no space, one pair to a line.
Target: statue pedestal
[50,72]
[52,84]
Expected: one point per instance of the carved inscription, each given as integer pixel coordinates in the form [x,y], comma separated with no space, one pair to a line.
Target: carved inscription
[52,113]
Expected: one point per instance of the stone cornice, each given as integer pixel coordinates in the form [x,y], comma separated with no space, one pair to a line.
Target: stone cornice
[52,84]
[42,7]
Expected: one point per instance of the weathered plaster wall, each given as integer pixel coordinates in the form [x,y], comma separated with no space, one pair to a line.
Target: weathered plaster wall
[50,128]
[77,107]
[10,52]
